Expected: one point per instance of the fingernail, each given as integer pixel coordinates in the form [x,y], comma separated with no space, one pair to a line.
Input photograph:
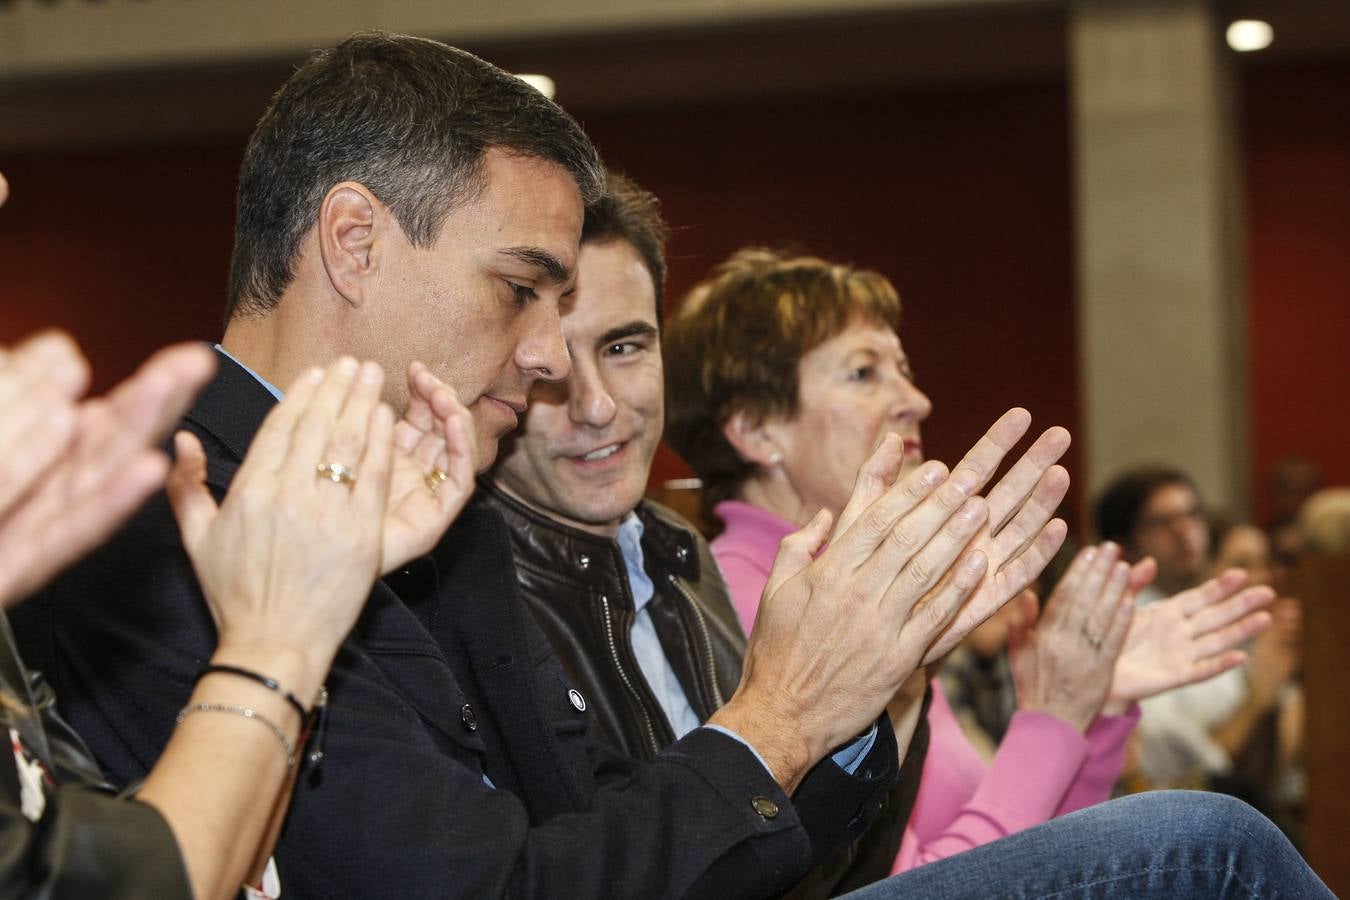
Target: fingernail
[933,475]
[347,365]
[371,372]
[48,344]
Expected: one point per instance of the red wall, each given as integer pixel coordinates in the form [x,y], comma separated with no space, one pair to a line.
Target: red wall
[962,196]
[128,248]
[1298,208]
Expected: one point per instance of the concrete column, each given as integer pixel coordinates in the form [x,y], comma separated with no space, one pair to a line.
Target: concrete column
[1160,301]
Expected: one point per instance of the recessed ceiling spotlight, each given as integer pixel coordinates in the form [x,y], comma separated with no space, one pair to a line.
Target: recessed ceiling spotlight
[543,84]
[1246,35]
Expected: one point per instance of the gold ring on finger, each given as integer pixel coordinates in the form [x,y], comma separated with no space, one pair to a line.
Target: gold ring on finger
[435,478]
[336,473]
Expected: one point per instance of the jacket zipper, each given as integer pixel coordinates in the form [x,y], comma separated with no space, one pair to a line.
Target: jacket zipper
[618,666]
[718,702]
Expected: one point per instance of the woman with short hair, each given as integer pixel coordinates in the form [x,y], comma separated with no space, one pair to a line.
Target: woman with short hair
[783,375]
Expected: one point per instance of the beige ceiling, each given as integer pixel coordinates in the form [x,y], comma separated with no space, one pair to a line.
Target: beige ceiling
[97,71]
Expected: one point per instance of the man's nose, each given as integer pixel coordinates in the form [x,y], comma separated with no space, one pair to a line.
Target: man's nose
[588,396]
[542,351]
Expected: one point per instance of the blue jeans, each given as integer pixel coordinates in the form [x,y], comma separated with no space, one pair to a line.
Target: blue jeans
[1165,844]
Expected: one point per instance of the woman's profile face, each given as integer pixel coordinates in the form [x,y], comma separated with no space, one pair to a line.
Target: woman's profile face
[854,389]
[1246,547]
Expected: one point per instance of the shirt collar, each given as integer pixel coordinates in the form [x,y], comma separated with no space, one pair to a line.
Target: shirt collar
[271,388]
[630,545]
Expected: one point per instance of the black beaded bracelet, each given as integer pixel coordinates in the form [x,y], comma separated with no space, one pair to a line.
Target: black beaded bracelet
[269,683]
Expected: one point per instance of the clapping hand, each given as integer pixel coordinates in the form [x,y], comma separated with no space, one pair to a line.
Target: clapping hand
[1063,658]
[434,466]
[1190,637]
[287,560]
[840,631]
[1021,535]
[74,469]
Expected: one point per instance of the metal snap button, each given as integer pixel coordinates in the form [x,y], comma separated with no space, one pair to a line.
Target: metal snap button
[681,553]
[578,701]
[765,807]
[466,715]
[584,561]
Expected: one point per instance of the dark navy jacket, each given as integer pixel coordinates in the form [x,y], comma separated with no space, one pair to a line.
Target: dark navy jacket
[445,679]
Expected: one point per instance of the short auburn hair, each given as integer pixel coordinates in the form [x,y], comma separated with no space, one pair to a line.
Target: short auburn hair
[735,343]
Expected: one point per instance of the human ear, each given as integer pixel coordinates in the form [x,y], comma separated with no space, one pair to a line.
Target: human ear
[752,439]
[347,227]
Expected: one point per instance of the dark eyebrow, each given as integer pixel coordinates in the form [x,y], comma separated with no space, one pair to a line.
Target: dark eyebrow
[632,329]
[546,262]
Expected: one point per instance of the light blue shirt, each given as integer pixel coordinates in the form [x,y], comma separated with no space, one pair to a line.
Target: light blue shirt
[271,388]
[651,658]
[656,668]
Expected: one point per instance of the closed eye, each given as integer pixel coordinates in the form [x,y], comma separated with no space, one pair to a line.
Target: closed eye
[521,293]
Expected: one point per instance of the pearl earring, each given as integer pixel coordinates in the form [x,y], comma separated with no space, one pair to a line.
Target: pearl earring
[775,458]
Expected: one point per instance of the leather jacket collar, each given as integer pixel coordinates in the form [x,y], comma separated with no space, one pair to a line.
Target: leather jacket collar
[575,583]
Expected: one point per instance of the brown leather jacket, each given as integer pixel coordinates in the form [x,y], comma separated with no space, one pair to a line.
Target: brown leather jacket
[576,586]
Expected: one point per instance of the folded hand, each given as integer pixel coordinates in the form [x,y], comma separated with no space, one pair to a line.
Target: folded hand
[434,465]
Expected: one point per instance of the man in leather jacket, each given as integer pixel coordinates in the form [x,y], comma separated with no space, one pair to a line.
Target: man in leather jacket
[627,591]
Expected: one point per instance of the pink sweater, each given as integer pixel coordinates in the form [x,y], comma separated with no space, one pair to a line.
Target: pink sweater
[1043,768]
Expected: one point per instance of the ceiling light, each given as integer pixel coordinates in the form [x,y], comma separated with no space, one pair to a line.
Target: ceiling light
[1246,35]
[544,85]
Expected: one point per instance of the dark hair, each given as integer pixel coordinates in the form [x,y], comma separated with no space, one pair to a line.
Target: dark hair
[407,117]
[1119,505]
[735,343]
[628,213]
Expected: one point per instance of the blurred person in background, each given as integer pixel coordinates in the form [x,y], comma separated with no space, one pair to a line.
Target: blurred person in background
[1268,769]
[783,374]
[1223,734]
[1324,522]
[1155,512]
[1293,479]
